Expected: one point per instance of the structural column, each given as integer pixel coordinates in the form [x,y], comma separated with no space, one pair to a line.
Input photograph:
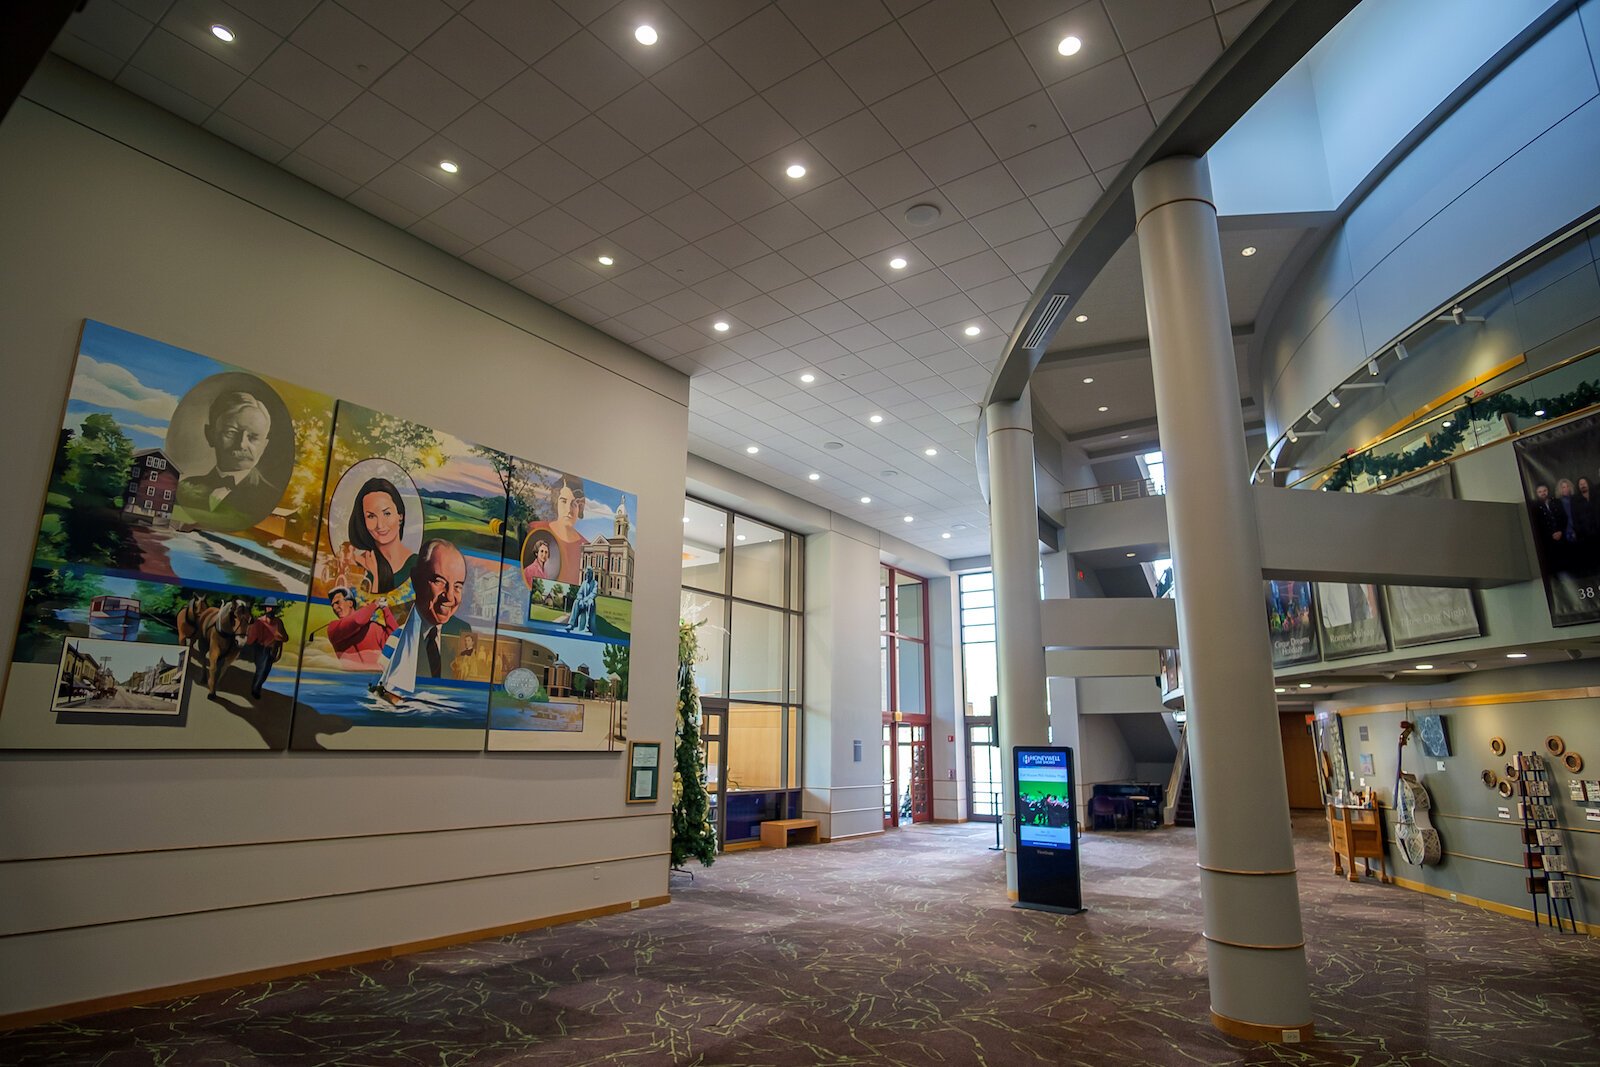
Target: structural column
[1255,950]
[1023,717]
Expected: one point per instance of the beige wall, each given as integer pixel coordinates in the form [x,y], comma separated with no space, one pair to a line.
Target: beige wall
[126,871]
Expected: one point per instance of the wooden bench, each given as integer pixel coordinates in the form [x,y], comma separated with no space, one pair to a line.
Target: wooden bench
[775,833]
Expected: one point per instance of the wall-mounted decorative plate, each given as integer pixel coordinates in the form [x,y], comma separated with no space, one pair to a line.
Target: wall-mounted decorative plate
[1573,761]
[1555,745]
[1490,778]
[1512,772]
[1497,745]
[1506,789]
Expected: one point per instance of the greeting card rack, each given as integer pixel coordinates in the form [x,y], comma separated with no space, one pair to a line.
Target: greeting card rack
[1544,857]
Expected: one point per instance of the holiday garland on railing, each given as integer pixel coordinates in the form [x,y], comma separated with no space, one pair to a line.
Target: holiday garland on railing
[693,836]
[1442,444]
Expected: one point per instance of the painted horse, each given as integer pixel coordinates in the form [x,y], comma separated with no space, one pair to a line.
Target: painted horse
[222,635]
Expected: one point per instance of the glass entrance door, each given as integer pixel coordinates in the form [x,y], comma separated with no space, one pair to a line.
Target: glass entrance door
[907,774]
[983,758]
[713,739]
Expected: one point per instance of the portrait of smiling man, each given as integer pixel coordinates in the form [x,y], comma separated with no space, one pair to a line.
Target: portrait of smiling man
[440,579]
[233,494]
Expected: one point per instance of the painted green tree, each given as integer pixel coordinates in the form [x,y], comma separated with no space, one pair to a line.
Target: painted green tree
[693,835]
[616,658]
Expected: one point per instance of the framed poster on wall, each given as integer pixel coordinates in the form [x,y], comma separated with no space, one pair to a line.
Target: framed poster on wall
[1350,618]
[1291,624]
[1420,615]
[644,771]
[1560,469]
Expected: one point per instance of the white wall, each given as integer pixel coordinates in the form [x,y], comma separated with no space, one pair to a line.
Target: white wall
[129,871]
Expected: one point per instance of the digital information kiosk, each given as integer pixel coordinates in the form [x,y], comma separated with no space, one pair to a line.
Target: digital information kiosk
[1047,831]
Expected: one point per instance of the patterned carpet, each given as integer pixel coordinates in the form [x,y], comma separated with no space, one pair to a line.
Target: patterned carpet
[899,949]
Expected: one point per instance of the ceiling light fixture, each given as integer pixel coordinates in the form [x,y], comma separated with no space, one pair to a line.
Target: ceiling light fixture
[606,261]
[808,378]
[930,451]
[1104,408]
[1248,250]
[1333,400]
[814,476]
[720,326]
[686,519]
[1372,367]
[1539,412]
[866,500]
[646,35]
[1124,437]
[897,263]
[1082,318]
[752,449]
[1400,350]
[1069,46]
[796,171]
[1445,424]
[972,331]
[1132,554]
[874,419]
[448,166]
[1088,381]
[1305,685]
[908,518]
[945,535]
[1516,655]
[1316,419]
[221,33]
[1280,689]
[739,537]
[1294,438]
[1424,666]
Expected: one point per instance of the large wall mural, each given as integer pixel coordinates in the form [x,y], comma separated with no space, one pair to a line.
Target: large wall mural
[230,561]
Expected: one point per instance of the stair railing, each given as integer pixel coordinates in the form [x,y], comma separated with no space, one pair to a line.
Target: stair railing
[1180,764]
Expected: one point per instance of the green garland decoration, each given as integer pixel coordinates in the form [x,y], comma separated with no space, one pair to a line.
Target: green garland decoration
[693,835]
[1442,444]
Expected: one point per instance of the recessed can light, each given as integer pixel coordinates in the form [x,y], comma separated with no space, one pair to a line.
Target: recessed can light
[1248,250]
[874,419]
[1132,554]
[1305,685]
[606,261]
[1516,655]
[739,537]
[646,35]
[1280,689]
[752,449]
[1424,666]
[720,326]
[866,500]
[1104,408]
[945,535]
[1088,381]
[221,33]
[796,171]
[909,518]
[1069,46]
[972,331]
[808,378]
[930,451]
[448,166]
[1539,412]
[814,476]
[686,519]
[1082,318]
[1124,437]
[898,263]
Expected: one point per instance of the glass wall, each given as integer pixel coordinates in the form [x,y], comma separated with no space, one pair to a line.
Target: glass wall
[742,582]
[981,680]
[904,686]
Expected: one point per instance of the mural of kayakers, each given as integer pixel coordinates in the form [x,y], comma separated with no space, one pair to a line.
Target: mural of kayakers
[227,560]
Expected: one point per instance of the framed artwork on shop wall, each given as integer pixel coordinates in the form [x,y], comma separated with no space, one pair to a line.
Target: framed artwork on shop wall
[644,771]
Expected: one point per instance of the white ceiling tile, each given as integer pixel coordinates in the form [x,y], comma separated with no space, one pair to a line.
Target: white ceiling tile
[752,129]
[984,191]
[381,125]
[674,37]
[951,243]
[1140,23]
[468,221]
[878,303]
[246,137]
[742,194]
[683,338]
[469,57]
[1233,20]
[263,110]
[111,28]
[711,17]
[1008,223]
[426,157]
[1162,106]
[648,320]
[813,98]
[1087,22]
[1115,140]
[647,283]
[696,157]
[545,172]
[735,246]
[1176,61]
[948,31]
[191,22]
[791,331]
[280,16]
[647,184]
[830,318]
[924,345]
[440,237]
[866,235]
[781,226]
[890,180]
[345,155]
[646,117]
[990,79]
[406,22]
[1030,252]
[860,338]
[754,343]
[703,84]
[915,114]
[544,290]
[383,208]
[609,298]
[423,93]
[409,189]
[315,173]
[830,27]
[802,296]
[644,240]
[815,254]
[744,373]
[345,43]
[89,57]
[950,310]
[726,289]
[924,288]
[535,104]
[1096,94]
[688,265]
[823,351]
[765,48]
[306,81]
[853,142]
[1048,165]
[518,248]
[850,279]
[587,70]
[692,217]
[530,28]
[559,230]
[184,67]
[883,62]
[977,270]
[490,136]
[770,272]
[952,154]
[760,311]
[1021,125]
[1063,204]
[595,147]
[833,204]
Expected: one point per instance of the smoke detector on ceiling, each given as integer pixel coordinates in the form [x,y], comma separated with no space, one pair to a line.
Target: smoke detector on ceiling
[922,214]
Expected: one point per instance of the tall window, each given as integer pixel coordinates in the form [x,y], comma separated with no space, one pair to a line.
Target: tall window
[981,679]
[907,719]
[742,581]
[1155,468]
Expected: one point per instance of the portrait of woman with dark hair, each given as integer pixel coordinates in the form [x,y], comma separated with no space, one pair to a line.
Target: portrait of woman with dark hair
[377,531]
[569,498]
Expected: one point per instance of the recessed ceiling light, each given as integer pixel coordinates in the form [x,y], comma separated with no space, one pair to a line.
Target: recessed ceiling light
[1082,318]
[752,449]
[720,326]
[1104,408]
[606,261]
[645,35]
[909,518]
[1248,250]
[814,476]
[448,166]
[1124,437]
[1424,666]
[1516,655]
[796,171]
[1069,45]
[1132,554]
[874,419]
[1539,412]
[945,535]
[1280,689]
[1445,424]
[808,378]
[221,33]
[1305,685]
[930,451]
[959,526]
[866,500]
[898,263]
[972,331]
[1088,381]
[738,537]
[686,518]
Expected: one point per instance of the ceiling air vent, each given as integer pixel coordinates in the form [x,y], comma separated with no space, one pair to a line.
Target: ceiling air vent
[1046,322]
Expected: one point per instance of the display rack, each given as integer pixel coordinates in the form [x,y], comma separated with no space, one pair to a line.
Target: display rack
[1544,856]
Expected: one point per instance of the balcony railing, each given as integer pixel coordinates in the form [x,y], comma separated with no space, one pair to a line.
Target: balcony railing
[1109,494]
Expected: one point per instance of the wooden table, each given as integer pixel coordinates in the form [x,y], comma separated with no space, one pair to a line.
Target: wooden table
[1356,834]
[775,833]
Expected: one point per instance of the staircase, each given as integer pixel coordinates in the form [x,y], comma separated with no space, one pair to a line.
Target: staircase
[1184,814]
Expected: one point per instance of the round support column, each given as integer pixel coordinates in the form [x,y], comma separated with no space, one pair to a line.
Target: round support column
[1255,950]
[1023,716]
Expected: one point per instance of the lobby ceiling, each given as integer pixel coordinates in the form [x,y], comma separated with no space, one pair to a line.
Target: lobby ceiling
[572,141]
